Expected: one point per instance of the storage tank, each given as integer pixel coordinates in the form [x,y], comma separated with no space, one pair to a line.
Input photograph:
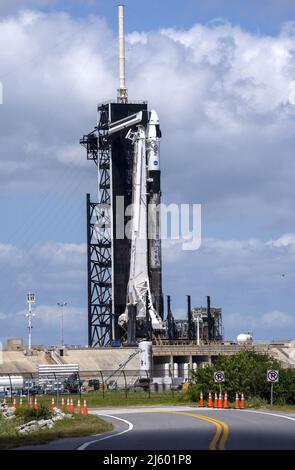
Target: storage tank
[16,381]
[167,369]
[244,338]
[175,370]
[145,358]
[185,370]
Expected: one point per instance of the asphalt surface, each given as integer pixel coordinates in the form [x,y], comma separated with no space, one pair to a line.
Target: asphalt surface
[186,428]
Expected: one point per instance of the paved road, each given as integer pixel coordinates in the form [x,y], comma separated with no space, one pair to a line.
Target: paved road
[186,428]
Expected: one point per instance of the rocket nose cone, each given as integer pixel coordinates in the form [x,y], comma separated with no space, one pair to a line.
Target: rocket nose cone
[154,118]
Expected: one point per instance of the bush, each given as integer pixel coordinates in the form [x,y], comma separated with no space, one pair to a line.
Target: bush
[28,414]
[246,372]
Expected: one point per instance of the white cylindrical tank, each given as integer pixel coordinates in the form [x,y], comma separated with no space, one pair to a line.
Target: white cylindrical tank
[145,357]
[175,370]
[180,370]
[166,369]
[16,381]
[243,338]
[185,370]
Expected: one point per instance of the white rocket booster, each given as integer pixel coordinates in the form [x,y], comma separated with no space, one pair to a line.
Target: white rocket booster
[145,252]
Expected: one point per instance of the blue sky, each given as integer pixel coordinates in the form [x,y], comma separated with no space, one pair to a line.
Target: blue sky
[264,16]
[218,72]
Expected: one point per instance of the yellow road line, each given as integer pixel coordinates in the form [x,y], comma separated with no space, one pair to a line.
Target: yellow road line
[222,429]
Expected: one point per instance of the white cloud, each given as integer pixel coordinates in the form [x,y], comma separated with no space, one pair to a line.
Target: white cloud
[47,324]
[285,240]
[221,92]
[244,277]
[277,319]
[269,325]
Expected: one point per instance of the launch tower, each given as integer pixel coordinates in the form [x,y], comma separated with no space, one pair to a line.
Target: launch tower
[117,295]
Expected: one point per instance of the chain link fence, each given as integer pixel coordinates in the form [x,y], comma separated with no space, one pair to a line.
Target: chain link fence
[99,383]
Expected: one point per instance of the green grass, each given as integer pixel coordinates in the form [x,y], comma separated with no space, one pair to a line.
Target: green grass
[77,426]
[118,398]
[112,398]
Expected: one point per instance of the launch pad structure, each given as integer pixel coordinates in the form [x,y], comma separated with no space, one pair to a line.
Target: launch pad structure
[124,263]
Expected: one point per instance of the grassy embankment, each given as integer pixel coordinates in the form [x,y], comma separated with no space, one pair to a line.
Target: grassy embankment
[77,426]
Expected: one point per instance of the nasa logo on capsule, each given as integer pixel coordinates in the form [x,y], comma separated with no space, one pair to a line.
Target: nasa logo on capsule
[155,162]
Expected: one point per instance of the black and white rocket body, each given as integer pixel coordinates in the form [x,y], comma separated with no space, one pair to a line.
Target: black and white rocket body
[145,253]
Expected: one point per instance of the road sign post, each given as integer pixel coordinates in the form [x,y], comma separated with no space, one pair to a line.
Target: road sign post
[219,376]
[272,376]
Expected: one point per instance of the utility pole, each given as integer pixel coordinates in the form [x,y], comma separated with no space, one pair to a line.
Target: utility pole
[61,305]
[30,301]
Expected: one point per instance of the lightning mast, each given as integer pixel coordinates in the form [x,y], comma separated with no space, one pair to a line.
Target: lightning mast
[122,90]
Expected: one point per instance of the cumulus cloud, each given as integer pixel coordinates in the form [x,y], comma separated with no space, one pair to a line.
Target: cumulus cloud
[269,325]
[48,319]
[221,92]
[252,280]
[286,240]
[244,277]
[51,270]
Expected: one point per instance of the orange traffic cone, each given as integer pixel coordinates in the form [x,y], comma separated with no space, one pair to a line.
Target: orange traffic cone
[220,401]
[210,403]
[36,407]
[85,408]
[215,401]
[14,403]
[79,407]
[68,405]
[52,404]
[242,402]
[20,402]
[62,404]
[31,403]
[237,405]
[225,403]
[201,400]
[72,406]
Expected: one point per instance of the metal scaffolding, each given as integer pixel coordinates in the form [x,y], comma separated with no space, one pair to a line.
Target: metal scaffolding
[99,240]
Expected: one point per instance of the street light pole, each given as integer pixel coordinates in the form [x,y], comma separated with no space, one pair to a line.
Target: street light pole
[61,305]
[30,300]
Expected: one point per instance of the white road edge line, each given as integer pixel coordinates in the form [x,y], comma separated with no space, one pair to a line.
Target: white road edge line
[130,427]
[276,415]
[270,414]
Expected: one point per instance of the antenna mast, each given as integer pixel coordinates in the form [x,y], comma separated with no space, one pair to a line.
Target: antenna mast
[122,90]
